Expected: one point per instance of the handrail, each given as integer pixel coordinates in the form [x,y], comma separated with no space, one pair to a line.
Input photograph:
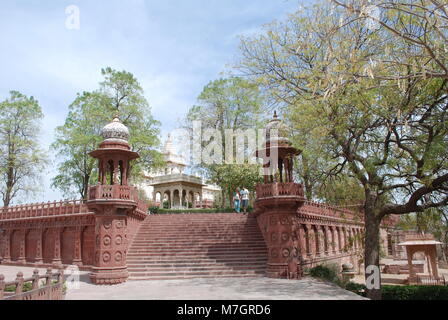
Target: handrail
[49,291]
[44,209]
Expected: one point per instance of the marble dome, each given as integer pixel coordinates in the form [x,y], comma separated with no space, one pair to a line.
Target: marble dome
[115,131]
[283,131]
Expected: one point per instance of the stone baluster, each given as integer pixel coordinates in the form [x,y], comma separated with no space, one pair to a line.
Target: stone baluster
[35,284]
[19,283]
[2,287]
[48,283]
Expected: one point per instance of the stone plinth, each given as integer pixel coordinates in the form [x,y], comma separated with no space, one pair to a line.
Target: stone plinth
[275,209]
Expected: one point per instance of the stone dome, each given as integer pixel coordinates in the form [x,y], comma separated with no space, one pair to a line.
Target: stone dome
[283,131]
[115,131]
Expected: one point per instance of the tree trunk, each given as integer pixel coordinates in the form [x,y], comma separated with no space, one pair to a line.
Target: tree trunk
[231,203]
[306,179]
[86,187]
[372,248]
[9,187]
[223,199]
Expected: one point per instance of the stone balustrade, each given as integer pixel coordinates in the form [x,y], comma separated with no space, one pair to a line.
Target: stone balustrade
[113,192]
[419,237]
[330,211]
[176,178]
[45,209]
[52,288]
[279,189]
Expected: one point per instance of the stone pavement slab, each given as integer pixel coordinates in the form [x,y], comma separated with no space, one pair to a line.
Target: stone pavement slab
[201,289]
[215,289]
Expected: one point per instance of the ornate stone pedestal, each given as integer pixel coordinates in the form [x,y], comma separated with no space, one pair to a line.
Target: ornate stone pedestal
[276,215]
[110,246]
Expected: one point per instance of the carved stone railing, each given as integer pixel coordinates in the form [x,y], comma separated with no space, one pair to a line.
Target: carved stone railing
[330,211]
[46,209]
[427,280]
[176,178]
[113,192]
[52,288]
[419,237]
[279,189]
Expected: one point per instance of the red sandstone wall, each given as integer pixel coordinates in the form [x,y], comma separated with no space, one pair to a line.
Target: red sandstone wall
[67,246]
[31,245]
[88,245]
[15,245]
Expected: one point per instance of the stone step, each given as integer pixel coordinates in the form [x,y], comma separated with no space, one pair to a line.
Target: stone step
[196,254]
[197,246]
[207,263]
[183,277]
[199,243]
[195,273]
[182,270]
[206,259]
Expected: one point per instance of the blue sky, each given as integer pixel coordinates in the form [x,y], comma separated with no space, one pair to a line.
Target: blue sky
[173,47]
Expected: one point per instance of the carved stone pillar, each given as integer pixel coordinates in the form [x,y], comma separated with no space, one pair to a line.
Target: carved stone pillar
[110,247]
[22,243]
[318,236]
[77,243]
[343,239]
[303,241]
[333,239]
[181,194]
[39,246]
[283,247]
[327,239]
[7,246]
[311,241]
[57,247]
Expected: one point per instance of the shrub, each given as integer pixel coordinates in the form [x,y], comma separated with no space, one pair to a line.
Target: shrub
[328,272]
[357,288]
[415,292]
[27,286]
[154,210]
[404,292]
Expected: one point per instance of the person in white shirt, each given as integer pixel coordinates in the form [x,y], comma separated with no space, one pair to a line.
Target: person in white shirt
[244,199]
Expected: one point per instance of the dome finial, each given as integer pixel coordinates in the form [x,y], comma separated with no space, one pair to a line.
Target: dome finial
[275,114]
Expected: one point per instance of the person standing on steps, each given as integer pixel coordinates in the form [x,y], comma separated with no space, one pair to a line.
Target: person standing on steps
[245,199]
[237,200]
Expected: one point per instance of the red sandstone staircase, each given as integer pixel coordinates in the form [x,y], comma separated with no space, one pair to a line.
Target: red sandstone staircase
[197,246]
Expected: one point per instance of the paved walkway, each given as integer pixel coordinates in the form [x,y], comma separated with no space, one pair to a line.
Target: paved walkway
[202,289]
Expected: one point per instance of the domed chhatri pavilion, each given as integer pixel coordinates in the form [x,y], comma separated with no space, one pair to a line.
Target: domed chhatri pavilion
[172,187]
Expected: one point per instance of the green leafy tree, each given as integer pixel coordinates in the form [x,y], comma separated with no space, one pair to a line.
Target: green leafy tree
[235,104]
[21,157]
[119,93]
[390,134]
